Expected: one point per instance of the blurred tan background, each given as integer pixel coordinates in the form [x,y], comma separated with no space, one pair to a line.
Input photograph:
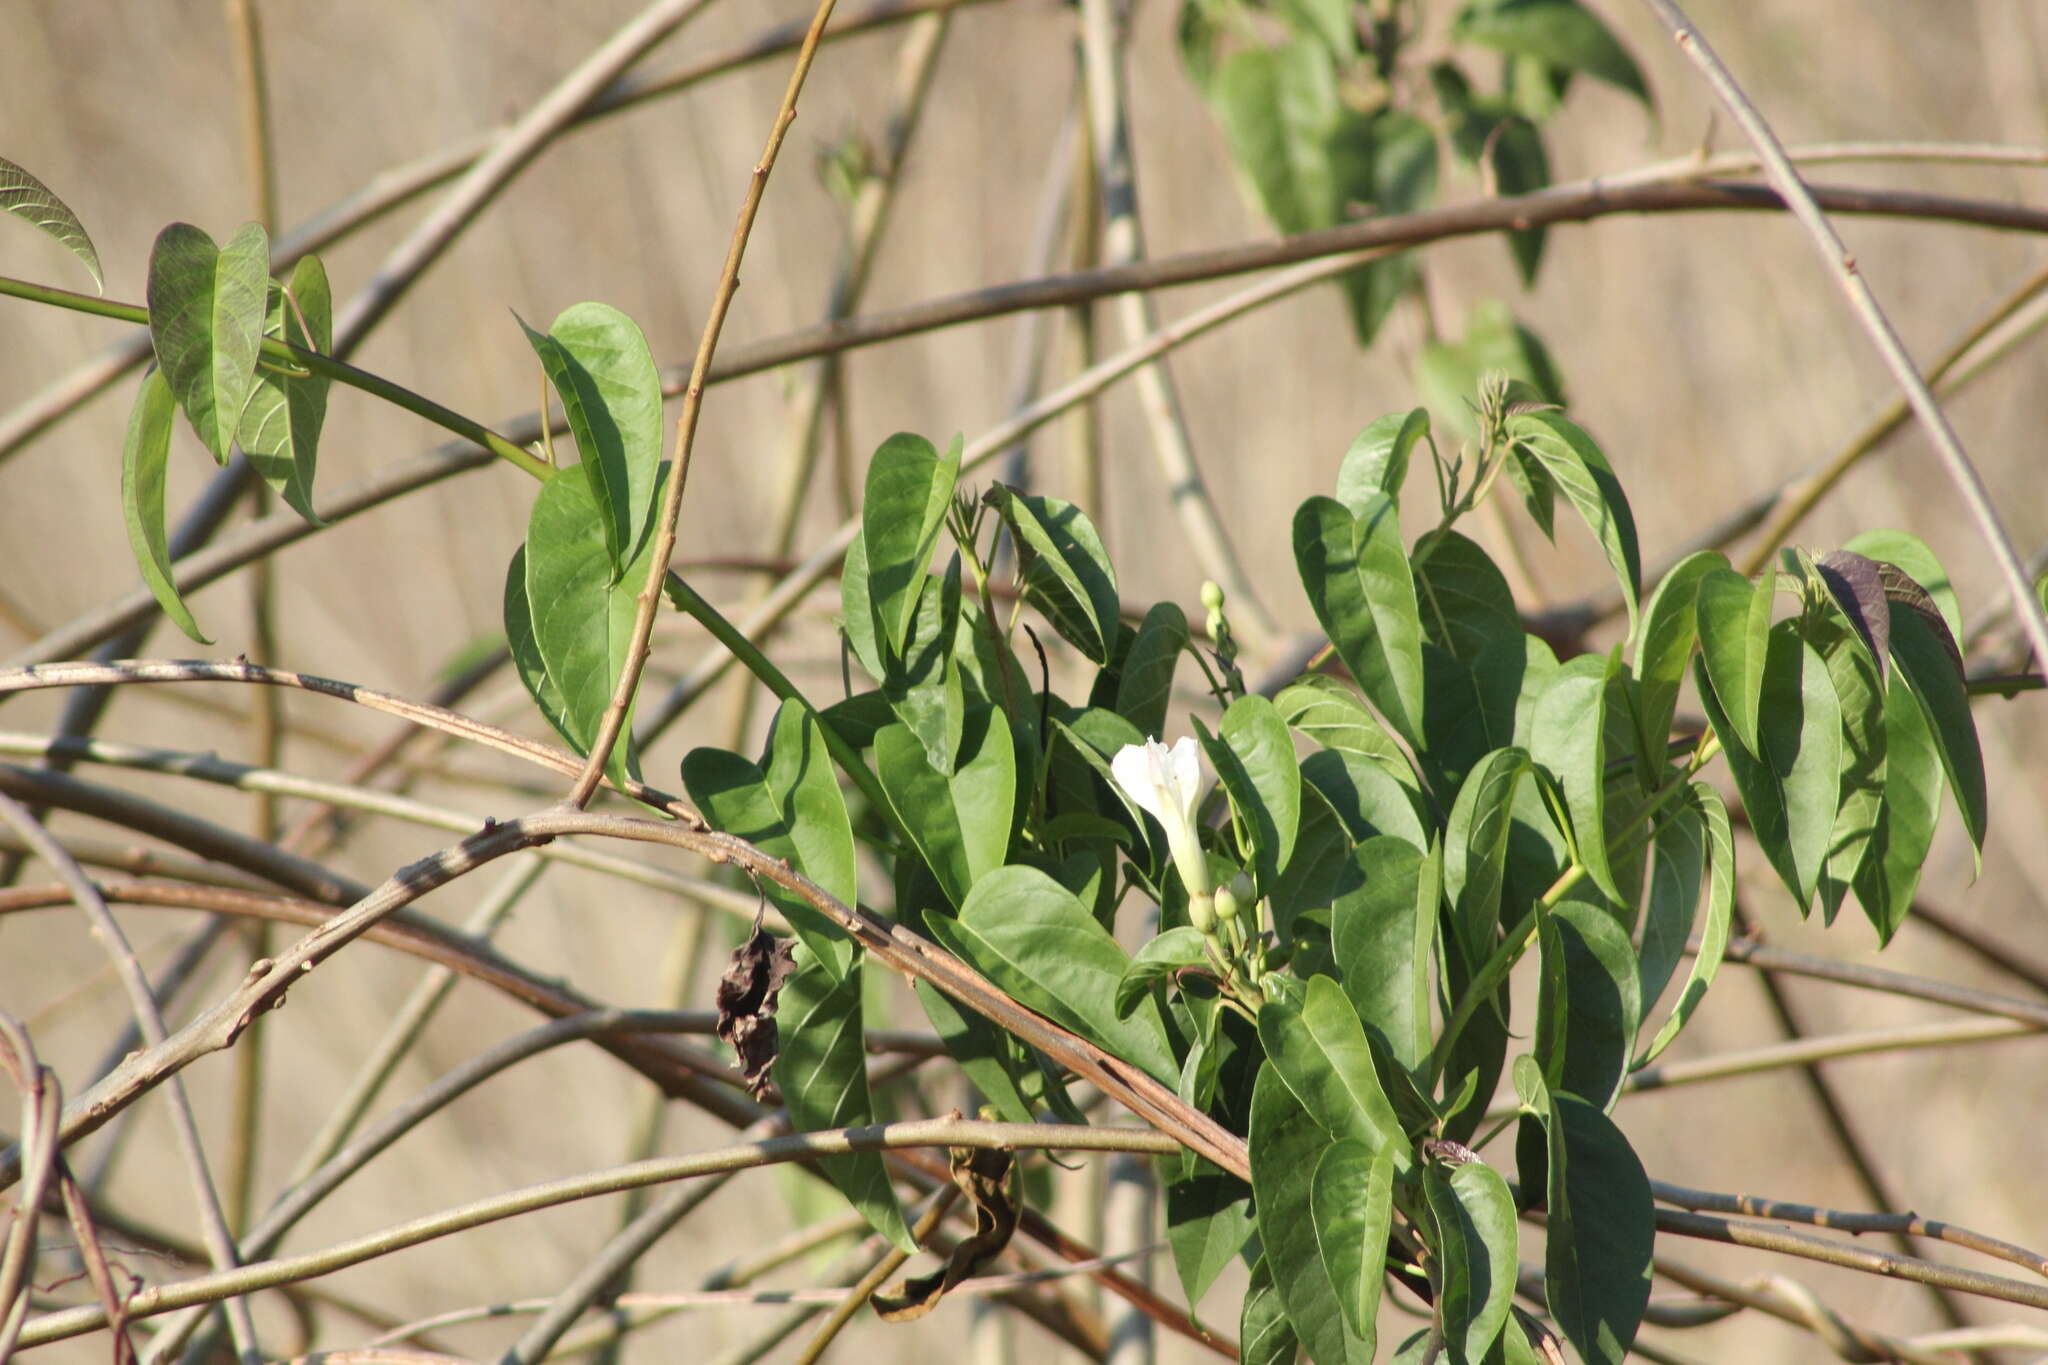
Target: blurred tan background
[1709,354]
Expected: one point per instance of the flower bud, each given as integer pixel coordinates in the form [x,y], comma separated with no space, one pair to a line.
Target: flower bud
[1202,914]
[1212,595]
[1226,903]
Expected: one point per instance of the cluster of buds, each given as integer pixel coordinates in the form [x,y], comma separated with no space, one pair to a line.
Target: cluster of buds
[1224,650]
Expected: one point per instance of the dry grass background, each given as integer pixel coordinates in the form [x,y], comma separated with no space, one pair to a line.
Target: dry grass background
[1708,353]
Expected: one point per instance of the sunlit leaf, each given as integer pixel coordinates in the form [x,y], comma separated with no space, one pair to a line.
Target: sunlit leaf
[599,363]
[1383,934]
[1734,618]
[144,454]
[959,822]
[1590,1003]
[1067,573]
[1286,1144]
[1477,1241]
[206,307]
[581,613]
[1581,472]
[1377,461]
[789,806]
[909,486]
[1562,33]
[1034,939]
[35,203]
[822,1073]
[280,427]
[1351,1200]
[1208,1220]
[1600,1221]
[1320,1050]
[1355,569]
[1145,687]
[1720,858]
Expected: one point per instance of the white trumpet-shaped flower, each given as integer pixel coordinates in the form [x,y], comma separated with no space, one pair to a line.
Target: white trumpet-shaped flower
[1166,784]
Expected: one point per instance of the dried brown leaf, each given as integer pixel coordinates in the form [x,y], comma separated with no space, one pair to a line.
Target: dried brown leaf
[983,1175]
[747,996]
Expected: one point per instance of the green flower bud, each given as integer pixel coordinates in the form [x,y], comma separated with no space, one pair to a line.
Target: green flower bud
[1226,903]
[1202,914]
[1212,596]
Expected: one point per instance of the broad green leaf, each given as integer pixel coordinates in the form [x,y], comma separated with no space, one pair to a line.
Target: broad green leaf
[206,306]
[1905,823]
[1356,573]
[1447,375]
[1093,736]
[525,649]
[582,613]
[909,487]
[1264,1336]
[1320,1049]
[1790,790]
[1157,962]
[1286,1144]
[1486,704]
[1859,688]
[144,454]
[1678,863]
[856,611]
[1928,662]
[1208,1220]
[959,823]
[991,1058]
[1331,21]
[1312,877]
[1383,933]
[1573,720]
[1371,798]
[1387,159]
[1720,914]
[1280,108]
[35,203]
[1599,1219]
[1911,554]
[1493,136]
[923,681]
[789,805]
[1665,643]
[1734,618]
[1478,1243]
[280,428]
[1464,598]
[1331,714]
[1581,472]
[1144,686]
[1561,33]
[822,1073]
[1067,574]
[1377,461]
[1034,939]
[599,363]
[1351,1197]
[1476,848]
[1590,1003]
[1254,759]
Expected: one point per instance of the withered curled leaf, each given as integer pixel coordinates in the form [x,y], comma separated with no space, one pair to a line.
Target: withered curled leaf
[746,1004]
[983,1175]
